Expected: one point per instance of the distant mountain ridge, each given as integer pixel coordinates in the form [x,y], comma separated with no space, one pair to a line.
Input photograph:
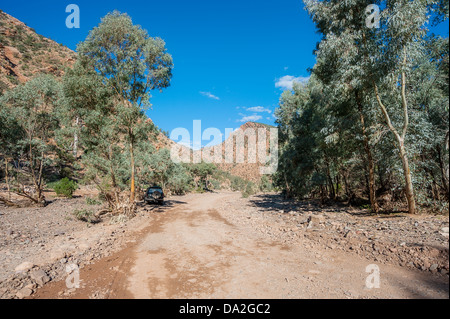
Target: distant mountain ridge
[246,170]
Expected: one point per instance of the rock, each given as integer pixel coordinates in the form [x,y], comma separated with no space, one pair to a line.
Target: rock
[24,267]
[316,220]
[40,277]
[31,286]
[434,252]
[445,230]
[303,220]
[24,292]
[426,265]
[434,267]
[83,246]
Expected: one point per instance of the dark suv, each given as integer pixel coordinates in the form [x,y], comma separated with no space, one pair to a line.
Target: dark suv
[154,195]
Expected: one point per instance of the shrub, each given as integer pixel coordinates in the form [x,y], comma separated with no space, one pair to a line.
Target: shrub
[119,219]
[13,79]
[87,216]
[65,187]
[238,184]
[265,184]
[3,87]
[216,184]
[249,190]
[92,202]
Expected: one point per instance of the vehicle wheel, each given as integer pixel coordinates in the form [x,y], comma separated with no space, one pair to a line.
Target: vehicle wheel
[157,195]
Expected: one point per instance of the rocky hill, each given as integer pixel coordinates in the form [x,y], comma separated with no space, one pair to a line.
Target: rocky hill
[241,148]
[24,53]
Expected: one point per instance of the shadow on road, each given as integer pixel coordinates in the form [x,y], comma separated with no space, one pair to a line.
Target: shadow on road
[428,286]
[155,208]
[276,203]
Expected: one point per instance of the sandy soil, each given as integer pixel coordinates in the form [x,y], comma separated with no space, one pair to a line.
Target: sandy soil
[222,246]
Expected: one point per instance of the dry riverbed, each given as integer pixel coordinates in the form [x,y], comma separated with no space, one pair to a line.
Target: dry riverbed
[220,245]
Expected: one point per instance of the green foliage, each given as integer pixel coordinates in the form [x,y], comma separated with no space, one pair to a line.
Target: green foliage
[249,190]
[157,168]
[86,216]
[355,113]
[238,184]
[65,187]
[131,62]
[13,79]
[3,87]
[265,184]
[202,174]
[119,65]
[92,201]
[31,121]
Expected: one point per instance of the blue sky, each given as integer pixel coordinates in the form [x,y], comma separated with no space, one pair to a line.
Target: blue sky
[232,58]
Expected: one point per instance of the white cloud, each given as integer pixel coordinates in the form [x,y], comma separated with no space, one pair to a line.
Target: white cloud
[249,118]
[287,82]
[258,109]
[210,95]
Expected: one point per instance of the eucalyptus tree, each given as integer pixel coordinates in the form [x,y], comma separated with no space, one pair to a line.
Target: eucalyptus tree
[102,140]
[431,118]
[87,98]
[132,64]
[10,134]
[30,118]
[303,161]
[371,60]
[156,168]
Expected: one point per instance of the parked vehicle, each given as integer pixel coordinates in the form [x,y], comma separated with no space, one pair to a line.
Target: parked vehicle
[154,195]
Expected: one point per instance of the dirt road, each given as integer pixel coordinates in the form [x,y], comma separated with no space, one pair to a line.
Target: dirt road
[193,248]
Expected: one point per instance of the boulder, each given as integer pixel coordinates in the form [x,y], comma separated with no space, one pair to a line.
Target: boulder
[24,267]
[24,292]
[40,277]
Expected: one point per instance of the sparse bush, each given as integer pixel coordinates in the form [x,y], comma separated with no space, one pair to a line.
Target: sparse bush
[265,184]
[3,87]
[119,219]
[65,187]
[87,216]
[216,184]
[238,184]
[249,190]
[92,201]
[13,79]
